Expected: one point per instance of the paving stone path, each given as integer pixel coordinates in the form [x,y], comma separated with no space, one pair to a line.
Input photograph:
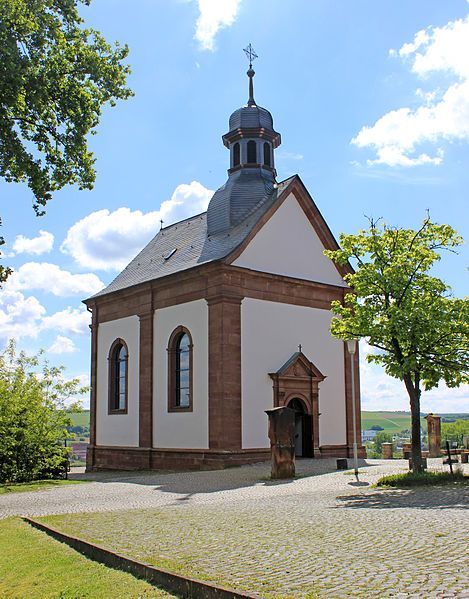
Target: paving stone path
[322,535]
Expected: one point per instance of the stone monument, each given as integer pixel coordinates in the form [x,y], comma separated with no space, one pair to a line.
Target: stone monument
[434,435]
[282,441]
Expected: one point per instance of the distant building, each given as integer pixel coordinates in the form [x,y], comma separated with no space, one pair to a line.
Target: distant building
[368,435]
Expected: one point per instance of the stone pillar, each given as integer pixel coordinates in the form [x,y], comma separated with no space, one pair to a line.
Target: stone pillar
[90,458]
[386,451]
[224,383]
[146,379]
[434,435]
[282,441]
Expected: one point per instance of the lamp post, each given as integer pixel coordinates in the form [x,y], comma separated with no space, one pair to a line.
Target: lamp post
[352,348]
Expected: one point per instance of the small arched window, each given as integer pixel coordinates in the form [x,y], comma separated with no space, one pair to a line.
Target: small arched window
[236,154]
[180,371]
[266,154]
[118,377]
[252,158]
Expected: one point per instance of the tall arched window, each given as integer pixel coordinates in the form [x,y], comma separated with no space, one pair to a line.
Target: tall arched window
[266,154]
[236,154]
[118,377]
[180,371]
[252,158]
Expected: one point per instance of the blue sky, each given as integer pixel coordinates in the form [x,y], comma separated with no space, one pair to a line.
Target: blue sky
[371,99]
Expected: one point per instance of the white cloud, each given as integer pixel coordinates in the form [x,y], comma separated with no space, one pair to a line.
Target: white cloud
[109,240]
[443,113]
[71,321]
[62,345]
[41,244]
[51,278]
[214,15]
[382,392]
[19,315]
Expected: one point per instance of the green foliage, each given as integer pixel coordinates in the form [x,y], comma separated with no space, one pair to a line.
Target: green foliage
[420,333]
[55,78]
[454,431]
[33,419]
[380,438]
[412,479]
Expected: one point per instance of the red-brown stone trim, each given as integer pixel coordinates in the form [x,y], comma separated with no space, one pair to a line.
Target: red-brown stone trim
[93,376]
[171,350]
[300,379]
[138,458]
[224,362]
[145,388]
[111,384]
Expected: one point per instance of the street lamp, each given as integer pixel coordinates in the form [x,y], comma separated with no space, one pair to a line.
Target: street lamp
[352,348]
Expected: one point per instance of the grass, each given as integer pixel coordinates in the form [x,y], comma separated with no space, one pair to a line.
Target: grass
[37,567]
[409,479]
[37,485]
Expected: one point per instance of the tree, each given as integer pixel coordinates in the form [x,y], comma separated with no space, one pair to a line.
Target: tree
[380,438]
[420,333]
[55,78]
[33,419]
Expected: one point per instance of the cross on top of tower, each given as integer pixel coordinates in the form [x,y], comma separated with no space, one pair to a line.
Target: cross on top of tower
[249,51]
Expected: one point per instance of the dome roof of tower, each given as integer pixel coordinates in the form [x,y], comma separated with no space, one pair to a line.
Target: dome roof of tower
[251,117]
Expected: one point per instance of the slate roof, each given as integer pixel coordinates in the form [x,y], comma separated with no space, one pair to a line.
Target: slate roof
[251,117]
[192,246]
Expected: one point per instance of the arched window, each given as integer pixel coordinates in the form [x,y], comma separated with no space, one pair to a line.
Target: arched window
[180,371]
[252,158]
[266,154]
[118,377]
[236,154]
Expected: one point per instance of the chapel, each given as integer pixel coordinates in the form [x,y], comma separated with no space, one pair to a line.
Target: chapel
[220,317]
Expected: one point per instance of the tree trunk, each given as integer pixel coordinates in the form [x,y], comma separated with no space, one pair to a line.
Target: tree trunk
[414,395]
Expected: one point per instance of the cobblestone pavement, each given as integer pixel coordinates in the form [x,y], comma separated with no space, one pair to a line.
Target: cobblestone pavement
[322,535]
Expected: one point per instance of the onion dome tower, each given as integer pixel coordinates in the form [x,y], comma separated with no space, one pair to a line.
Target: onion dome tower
[251,141]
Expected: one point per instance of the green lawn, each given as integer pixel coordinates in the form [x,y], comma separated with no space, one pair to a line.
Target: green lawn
[35,566]
[37,485]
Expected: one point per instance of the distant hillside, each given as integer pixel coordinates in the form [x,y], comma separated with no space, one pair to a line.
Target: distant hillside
[80,418]
[393,422]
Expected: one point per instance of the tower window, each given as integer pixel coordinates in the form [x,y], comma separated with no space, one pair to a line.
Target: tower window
[236,154]
[252,158]
[266,154]
[180,371]
[118,377]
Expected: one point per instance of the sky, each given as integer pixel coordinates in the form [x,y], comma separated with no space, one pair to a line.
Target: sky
[372,102]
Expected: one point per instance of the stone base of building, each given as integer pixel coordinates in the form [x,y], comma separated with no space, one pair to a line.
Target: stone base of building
[142,458]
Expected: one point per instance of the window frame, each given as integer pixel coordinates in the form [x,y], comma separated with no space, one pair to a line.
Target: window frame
[267,154]
[112,381]
[236,154]
[172,369]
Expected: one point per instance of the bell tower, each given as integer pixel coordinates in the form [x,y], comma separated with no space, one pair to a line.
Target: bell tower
[251,140]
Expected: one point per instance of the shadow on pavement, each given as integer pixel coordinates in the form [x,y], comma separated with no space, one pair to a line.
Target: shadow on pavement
[190,483]
[422,498]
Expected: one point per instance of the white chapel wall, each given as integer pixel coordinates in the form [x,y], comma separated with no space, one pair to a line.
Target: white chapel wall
[270,334]
[288,245]
[184,430]
[118,429]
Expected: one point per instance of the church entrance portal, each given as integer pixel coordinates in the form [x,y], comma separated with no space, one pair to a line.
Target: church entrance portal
[303,429]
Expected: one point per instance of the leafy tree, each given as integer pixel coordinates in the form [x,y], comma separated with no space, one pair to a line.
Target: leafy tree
[420,332]
[55,78]
[454,431]
[380,438]
[33,419]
